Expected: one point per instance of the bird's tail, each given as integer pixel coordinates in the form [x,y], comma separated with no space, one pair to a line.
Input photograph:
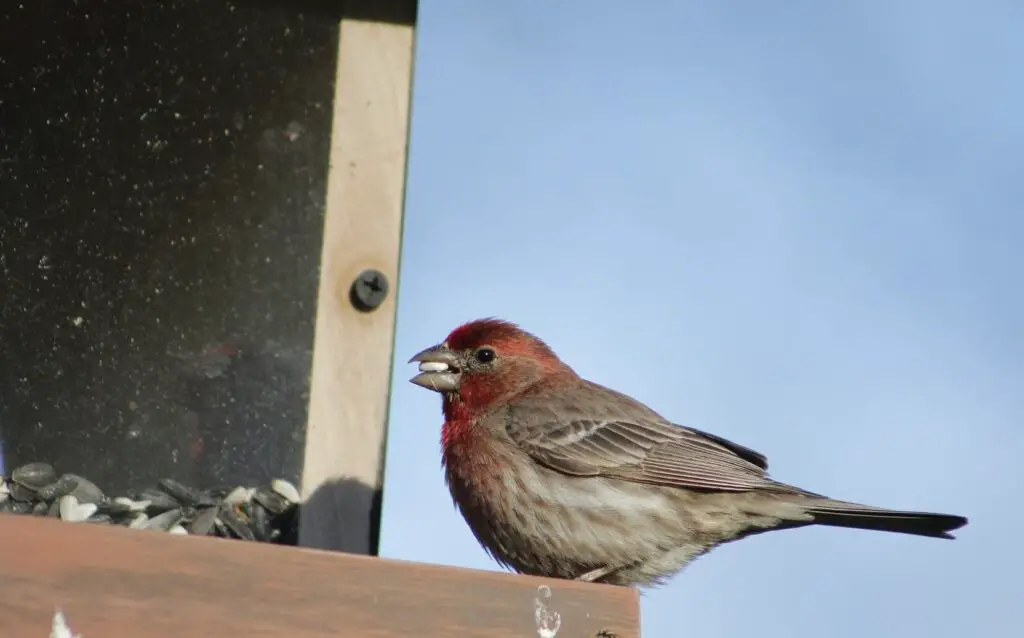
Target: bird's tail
[843,514]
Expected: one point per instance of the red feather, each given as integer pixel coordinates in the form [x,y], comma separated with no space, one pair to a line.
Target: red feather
[478,392]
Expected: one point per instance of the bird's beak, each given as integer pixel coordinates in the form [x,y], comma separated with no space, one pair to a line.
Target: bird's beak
[439,369]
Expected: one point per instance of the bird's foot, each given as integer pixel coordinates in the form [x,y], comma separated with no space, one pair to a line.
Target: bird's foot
[596,574]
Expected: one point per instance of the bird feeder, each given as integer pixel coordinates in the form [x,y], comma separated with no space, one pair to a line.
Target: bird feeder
[200,216]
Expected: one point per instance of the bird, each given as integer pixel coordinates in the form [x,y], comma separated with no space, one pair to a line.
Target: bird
[561,477]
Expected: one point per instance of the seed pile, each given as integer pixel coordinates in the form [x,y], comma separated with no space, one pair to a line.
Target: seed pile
[268,514]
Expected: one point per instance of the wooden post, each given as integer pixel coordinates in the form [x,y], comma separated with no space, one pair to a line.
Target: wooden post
[351,375]
[121,583]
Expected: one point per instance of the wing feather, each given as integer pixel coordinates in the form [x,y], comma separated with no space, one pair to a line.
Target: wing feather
[636,444]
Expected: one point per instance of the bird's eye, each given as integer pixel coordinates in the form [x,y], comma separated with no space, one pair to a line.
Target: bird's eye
[485,355]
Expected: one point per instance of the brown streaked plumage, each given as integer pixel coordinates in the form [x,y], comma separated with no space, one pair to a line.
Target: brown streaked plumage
[558,476]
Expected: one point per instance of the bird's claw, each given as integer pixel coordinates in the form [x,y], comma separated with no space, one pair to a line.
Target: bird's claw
[596,574]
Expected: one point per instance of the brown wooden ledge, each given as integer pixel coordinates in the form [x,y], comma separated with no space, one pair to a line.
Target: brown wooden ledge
[122,583]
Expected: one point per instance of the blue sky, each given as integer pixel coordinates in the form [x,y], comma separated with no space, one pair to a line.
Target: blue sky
[796,225]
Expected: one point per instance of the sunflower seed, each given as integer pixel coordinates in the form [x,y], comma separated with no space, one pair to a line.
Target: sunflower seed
[204,522]
[286,489]
[113,508]
[184,494]
[73,511]
[159,502]
[265,514]
[272,501]
[238,495]
[259,523]
[85,490]
[22,494]
[64,485]
[34,475]
[163,522]
[231,520]
[15,507]
[134,506]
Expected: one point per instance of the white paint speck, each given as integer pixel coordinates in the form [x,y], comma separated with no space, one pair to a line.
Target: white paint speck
[77,321]
[60,628]
[548,621]
[294,131]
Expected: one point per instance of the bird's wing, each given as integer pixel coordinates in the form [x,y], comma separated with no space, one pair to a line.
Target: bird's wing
[632,443]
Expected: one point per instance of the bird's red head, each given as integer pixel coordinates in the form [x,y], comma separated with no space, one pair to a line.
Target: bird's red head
[483,362]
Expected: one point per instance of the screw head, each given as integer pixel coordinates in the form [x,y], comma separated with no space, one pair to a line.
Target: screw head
[369,290]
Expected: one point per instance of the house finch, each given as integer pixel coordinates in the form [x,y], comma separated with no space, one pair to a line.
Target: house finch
[559,476]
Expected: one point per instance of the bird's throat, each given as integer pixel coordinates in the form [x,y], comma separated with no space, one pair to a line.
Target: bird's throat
[462,442]
[457,431]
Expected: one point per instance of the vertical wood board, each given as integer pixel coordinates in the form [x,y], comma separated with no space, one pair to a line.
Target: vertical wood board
[353,350]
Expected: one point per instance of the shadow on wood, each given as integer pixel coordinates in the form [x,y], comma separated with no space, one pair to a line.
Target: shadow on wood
[331,505]
[122,583]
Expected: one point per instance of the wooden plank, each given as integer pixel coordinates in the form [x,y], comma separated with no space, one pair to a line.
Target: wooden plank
[344,454]
[122,583]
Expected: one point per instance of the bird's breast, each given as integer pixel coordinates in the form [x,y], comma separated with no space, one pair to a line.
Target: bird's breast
[538,521]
